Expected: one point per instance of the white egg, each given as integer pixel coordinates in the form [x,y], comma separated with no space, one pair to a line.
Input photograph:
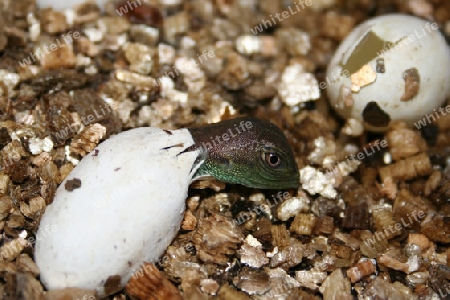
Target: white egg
[127,210]
[392,67]
[61,5]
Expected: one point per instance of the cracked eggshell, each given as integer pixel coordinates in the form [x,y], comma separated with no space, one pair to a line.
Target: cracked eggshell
[393,67]
[127,210]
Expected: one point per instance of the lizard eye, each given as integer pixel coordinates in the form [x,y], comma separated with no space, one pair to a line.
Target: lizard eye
[272,159]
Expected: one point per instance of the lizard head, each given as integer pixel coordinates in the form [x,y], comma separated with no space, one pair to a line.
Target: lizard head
[246,151]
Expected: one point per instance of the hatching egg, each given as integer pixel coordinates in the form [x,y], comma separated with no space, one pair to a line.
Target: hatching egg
[122,205]
[392,67]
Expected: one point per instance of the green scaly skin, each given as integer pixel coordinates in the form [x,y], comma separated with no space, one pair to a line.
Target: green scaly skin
[255,154]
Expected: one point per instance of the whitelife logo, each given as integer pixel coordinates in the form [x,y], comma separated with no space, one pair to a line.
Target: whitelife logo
[280,16]
[67,39]
[131,5]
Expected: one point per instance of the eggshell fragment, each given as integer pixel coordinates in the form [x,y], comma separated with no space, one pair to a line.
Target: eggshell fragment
[392,67]
[127,210]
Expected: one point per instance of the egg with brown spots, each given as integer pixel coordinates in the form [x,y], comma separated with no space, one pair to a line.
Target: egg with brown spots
[393,67]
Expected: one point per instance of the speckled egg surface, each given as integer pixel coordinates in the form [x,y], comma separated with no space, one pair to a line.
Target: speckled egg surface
[137,179]
[393,67]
